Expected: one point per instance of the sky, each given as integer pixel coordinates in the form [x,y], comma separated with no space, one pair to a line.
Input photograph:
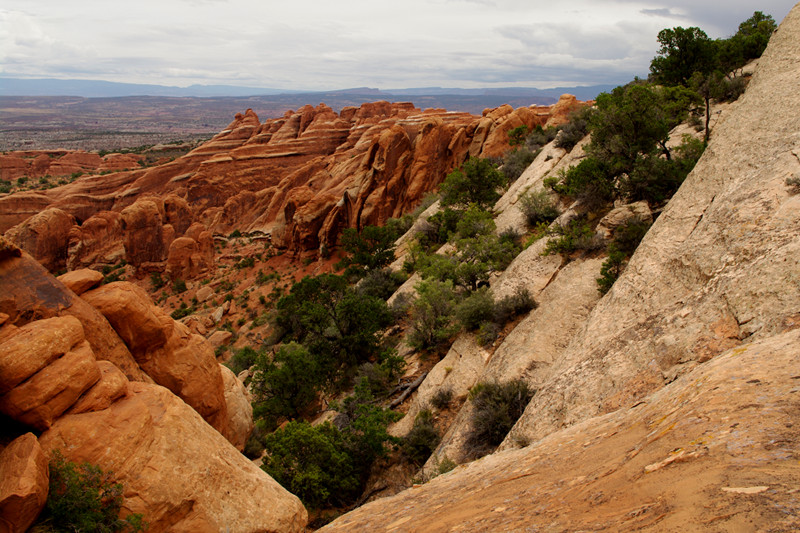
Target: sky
[327,45]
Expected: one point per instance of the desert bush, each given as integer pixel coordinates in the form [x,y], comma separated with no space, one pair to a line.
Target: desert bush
[477,182]
[84,498]
[577,128]
[513,305]
[515,162]
[578,235]
[432,314]
[178,286]
[496,408]
[380,283]
[422,440]
[626,239]
[242,359]
[441,398]
[793,183]
[370,249]
[538,207]
[475,309]
[487,333]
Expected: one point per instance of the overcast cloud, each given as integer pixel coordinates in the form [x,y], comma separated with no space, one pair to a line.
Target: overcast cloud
[321,45]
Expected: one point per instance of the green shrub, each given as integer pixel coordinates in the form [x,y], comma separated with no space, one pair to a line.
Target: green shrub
[575,130]
[517,135]
[477,182]
[475,309]
[247,262]
[242,359]
[793,183]
[286,385]
[578,235]
[313,463]
[515,162]
[441,398]
[422,439]
[513,305]
[381,283]
[496,408]
[178,286]
[487,333]
[156,280]
[432,314]
[84,498]
[371,249]
[235,234]
[538,207]
[610,270]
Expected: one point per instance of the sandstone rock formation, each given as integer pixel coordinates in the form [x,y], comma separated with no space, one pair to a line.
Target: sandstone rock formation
[713,449]
[179,471]
[45,236]
[298,179]
[24,482]
[176,470]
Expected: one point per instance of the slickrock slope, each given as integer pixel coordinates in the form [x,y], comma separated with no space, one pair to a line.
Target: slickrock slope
[719,267]
[715,451]
[639,421]
[299,179]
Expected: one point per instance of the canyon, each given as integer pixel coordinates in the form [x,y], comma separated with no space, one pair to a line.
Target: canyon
[669,403]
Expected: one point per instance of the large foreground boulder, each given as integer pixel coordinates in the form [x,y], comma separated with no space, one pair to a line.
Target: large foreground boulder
[176,470]
[23,483]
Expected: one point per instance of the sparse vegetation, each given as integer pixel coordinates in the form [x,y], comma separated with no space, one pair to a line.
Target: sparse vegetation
[84,498]
[496,408]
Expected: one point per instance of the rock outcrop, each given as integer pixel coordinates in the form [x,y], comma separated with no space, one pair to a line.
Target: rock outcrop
[176,470]
[299,179]
[181,473]
[714,449]
[24,482]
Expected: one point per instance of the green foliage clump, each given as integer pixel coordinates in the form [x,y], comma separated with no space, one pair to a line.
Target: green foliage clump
[178,286]
[284,386]
[538,207]
[371,249]
[313,463]
[476,309]
[516,136]
[156,280]
[422,440]
[84,498]
[432,314]
[242,359]
[380,283]
[246,262]
[515,162]
[477,182]
[626,239]
[496,408]
[441,398]
[334,321]
[577,235]
[575,130]
[326,464]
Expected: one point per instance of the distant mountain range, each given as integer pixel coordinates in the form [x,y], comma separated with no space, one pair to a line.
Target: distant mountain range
[107,89]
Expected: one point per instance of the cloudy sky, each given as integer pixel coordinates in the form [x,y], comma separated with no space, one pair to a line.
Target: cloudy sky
[322,45]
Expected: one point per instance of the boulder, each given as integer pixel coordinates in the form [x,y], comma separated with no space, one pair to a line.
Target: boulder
[144,233]
[47,394]
[174,468]
[112,385]
[240,411]
[24,479]
[186,365]
[132,314]
[45,236]
[33,346]
[100,240]
[80,281]
[28,293]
